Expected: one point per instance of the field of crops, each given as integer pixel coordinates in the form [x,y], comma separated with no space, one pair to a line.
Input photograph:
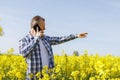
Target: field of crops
[82,67]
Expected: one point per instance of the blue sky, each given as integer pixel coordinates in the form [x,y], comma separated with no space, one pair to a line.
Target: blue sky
[100,18]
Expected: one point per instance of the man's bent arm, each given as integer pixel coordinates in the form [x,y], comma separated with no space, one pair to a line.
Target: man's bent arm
[25,48]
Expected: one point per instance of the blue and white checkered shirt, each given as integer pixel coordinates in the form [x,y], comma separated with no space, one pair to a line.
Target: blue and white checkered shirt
[29,47]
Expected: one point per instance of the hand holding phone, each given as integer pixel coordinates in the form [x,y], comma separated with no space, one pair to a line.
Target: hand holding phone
[38,31]
[37,28]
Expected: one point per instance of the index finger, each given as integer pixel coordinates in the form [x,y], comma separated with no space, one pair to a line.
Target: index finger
[37,30]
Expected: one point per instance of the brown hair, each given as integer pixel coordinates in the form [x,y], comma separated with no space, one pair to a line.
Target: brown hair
[35,20]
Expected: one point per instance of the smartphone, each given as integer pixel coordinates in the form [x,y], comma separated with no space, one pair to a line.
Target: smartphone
[36,27]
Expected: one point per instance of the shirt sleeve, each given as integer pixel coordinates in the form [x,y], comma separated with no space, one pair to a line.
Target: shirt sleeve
[26,47]
[59,40]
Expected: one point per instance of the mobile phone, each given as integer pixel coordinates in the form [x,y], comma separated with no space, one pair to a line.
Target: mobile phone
[36,27]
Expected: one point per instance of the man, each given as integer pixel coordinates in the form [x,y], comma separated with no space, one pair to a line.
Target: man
[36,47]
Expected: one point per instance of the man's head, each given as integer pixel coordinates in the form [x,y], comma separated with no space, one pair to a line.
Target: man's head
[39,21]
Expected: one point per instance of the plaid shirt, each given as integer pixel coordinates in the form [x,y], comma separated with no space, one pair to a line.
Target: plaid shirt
[29,47]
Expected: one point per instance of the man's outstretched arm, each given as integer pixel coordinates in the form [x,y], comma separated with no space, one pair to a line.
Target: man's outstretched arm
[59,40]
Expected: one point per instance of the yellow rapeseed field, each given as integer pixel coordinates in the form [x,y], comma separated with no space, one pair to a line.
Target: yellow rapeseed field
[82,67]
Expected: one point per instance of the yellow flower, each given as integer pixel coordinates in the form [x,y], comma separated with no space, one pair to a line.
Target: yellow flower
[38,75]
[46,77]
[31,75]
[63,78]
[19,75]
[53,76]
[11,50]
[1,76]
[58,68]
[92,78]
[75,73]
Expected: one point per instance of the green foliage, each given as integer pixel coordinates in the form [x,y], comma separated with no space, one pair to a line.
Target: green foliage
[76,53]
